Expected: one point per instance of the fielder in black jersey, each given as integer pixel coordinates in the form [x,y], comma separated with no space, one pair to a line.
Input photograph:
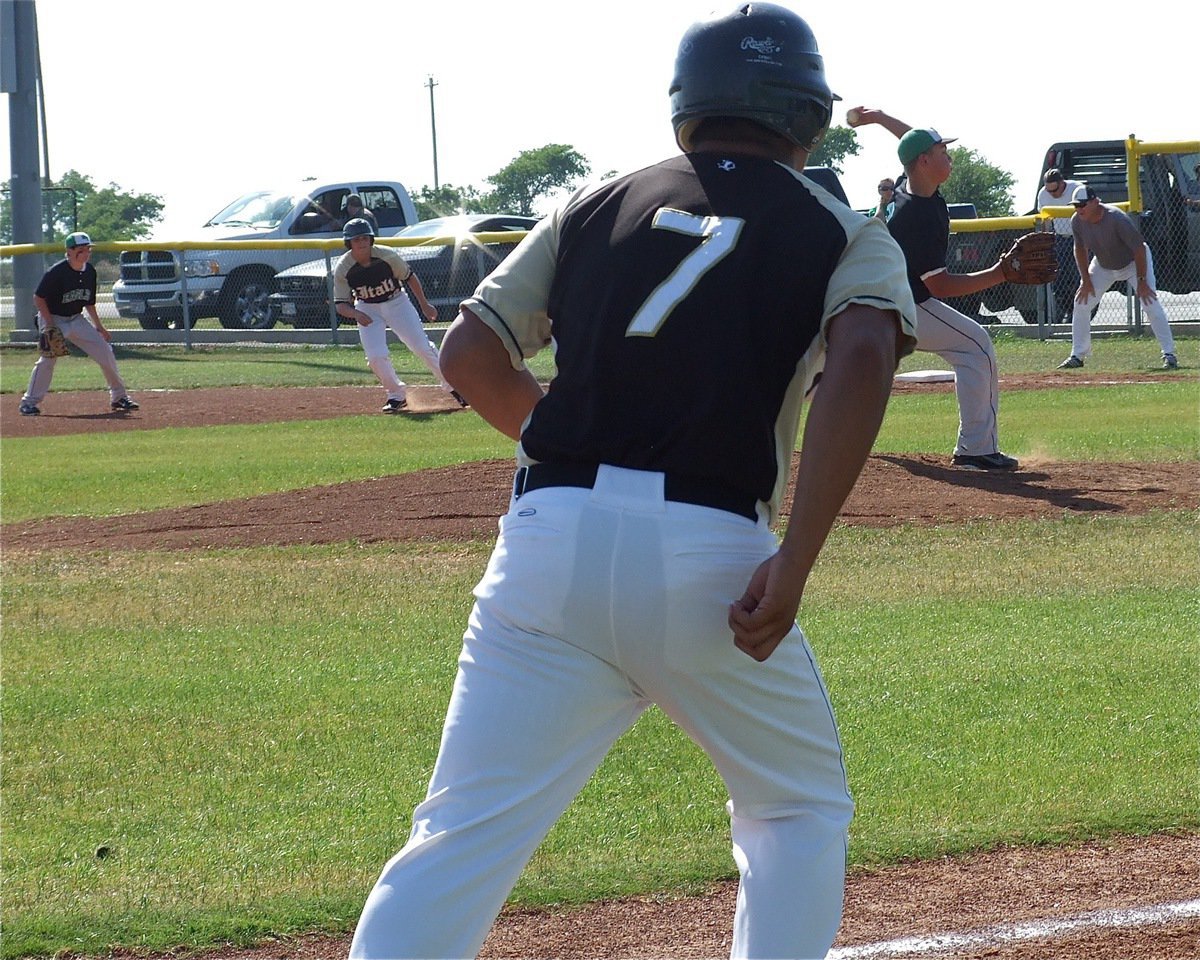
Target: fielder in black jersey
[66,291]
[920,222]
[690,306]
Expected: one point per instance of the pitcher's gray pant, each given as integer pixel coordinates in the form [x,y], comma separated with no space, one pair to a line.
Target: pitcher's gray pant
[966,346]
[79,331]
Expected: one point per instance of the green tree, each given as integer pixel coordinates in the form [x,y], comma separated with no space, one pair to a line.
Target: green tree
[533,175]
[974,180]
[447,200]
[838,144]
[108,213]
[75,203]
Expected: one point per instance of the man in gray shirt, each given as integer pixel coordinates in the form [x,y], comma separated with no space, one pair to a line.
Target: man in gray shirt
[1118,253]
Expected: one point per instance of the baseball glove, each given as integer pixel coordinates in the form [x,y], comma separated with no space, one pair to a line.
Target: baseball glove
[1030,260]
[52,343]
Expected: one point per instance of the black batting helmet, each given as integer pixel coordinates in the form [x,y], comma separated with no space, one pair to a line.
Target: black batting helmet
[358,227]
[759,63]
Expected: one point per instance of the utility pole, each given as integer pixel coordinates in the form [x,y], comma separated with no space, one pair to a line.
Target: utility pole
[18,78]
[433,123]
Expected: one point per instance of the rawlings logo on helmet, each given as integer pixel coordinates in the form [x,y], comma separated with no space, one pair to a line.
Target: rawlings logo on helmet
[759,62]
[761,46]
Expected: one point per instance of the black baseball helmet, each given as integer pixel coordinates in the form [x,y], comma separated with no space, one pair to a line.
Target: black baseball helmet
[358,227]
[759,63]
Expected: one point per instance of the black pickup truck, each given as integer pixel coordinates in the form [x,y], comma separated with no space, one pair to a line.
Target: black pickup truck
[1169,223]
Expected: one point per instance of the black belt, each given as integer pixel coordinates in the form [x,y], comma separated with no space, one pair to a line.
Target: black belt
[702,493]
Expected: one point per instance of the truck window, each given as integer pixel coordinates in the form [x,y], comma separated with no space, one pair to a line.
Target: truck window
[261,209]
[383,202]
[1191,166]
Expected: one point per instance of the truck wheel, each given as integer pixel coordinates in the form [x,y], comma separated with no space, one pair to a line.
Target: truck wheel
[244,303]
[1029,316]
[152,321]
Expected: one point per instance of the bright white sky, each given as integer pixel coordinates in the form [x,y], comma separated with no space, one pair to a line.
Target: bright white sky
[199,102]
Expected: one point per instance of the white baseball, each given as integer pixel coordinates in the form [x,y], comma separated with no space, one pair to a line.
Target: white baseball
[853,115]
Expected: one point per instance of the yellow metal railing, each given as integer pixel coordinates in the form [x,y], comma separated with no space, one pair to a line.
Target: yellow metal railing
[1135,150]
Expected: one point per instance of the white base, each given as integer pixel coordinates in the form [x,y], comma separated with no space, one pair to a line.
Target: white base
[926,376]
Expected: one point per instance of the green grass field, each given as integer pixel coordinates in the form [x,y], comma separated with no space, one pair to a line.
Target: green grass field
[243,733]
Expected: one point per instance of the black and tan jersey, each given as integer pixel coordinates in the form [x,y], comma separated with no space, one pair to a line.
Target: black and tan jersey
[67,290]
[687,305]
[921,225]
[379,280]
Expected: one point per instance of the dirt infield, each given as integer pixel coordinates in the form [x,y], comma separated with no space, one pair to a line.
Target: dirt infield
[979,898]
[981,895]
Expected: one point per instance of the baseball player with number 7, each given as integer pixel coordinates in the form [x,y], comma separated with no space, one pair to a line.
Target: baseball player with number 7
[691,305]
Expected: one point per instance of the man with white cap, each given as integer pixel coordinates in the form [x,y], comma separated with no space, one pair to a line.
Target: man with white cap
[920,224]
[1118,252]
[1057,191]
[66,290]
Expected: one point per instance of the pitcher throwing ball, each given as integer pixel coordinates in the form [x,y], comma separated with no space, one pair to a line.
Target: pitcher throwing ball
[691,304]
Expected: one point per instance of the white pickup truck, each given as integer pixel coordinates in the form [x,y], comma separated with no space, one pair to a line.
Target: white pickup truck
[233,284]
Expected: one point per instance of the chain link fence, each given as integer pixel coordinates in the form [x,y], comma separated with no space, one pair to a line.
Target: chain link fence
[1166,207]
[175,289]
[171,289]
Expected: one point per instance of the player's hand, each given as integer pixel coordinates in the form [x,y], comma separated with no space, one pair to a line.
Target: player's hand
[766,612]
[1084,293]
[361,319]
[860,116]
[103,331]
[1145,293]
[429,311]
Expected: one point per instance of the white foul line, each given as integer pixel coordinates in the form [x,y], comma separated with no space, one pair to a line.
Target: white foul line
[1012,933]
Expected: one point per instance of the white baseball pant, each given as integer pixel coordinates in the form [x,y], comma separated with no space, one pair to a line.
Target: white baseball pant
[79,330]
[595,604]
[1102,278]
[966,346]
[401,316]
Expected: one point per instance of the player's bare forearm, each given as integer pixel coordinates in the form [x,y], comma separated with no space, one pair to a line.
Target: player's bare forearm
[423,304]
[946,284]
[865,115]
[843,422]
[475,363]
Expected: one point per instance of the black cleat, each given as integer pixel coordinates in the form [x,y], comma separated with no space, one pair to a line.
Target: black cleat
[986,461]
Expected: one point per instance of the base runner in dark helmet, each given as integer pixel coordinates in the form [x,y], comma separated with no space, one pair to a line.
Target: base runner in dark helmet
[368,287]
[691,305]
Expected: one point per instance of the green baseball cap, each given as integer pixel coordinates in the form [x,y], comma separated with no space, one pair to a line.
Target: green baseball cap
[917,141]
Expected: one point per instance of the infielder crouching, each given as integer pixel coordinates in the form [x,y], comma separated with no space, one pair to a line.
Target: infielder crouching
[1118,252]
[66,290]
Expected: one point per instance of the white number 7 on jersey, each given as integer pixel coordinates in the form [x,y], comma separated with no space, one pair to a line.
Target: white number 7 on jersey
[718,236]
